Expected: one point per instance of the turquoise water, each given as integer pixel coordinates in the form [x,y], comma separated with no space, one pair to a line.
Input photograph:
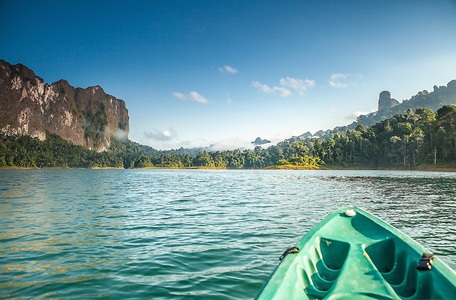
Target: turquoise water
[205,234]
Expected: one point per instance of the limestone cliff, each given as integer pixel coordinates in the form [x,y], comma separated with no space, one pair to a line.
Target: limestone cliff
[385,101]
[389,107]
[86,117]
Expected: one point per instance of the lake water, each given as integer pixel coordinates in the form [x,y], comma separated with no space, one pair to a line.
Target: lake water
[173,234]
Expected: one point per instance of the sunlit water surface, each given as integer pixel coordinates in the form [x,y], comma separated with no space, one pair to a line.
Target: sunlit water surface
[191,233]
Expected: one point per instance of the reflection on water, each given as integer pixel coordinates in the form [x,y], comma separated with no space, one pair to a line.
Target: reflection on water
[175,233]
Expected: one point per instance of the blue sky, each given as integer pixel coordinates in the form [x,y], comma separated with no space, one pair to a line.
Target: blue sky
[200,73]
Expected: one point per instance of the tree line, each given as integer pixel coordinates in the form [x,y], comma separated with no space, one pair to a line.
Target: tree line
[403,141]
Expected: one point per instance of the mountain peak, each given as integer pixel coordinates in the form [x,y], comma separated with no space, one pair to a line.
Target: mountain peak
[385,101]
[86,117]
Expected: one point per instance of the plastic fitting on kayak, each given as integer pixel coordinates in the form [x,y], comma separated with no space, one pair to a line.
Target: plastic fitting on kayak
[425,262]
[350,213]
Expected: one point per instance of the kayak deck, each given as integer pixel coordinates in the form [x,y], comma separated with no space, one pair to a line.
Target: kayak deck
[358,257]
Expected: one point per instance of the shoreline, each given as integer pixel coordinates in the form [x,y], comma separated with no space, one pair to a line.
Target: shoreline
[59,168]
[428,168]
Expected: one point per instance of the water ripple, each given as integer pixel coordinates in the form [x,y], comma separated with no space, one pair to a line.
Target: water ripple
[191,233]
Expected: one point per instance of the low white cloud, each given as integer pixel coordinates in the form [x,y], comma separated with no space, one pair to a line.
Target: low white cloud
[192,96]
[231,144]
[299,85]
[283,92]
[228,69]
[287,85]
[161,136]
[229,101]
[355,115]
[198,98]
[262,87]
[121,134]
[336,80]
[180,96]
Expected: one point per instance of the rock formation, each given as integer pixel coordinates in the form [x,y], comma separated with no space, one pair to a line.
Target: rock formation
[87,117]
[259,141]
[385,101]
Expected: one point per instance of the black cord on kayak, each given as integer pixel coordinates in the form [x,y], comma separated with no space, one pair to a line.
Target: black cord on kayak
[289,250]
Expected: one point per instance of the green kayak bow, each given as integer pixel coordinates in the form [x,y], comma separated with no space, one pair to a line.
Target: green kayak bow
[354,255]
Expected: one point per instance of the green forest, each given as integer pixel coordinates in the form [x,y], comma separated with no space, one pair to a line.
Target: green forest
[405,141]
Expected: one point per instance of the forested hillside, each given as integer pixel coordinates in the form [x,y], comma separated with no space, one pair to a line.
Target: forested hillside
[403,141]
[440,96]
[41,126]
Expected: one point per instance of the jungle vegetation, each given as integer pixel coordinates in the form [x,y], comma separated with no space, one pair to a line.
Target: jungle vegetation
[404,141]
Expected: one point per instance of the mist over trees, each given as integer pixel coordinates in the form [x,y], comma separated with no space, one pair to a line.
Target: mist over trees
[404,141]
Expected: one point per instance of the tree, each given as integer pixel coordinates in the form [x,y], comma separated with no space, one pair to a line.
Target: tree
[144,162]
[360,128]
[446,119]
[403,129]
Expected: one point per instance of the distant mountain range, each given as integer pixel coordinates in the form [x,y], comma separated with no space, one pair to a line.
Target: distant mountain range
[389,107]
[89,117]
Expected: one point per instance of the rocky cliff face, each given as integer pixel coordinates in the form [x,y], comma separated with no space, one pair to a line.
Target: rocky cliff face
[87,117]
[385,101]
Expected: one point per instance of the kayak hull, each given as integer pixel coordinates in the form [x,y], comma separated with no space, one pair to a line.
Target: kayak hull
[358,257]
